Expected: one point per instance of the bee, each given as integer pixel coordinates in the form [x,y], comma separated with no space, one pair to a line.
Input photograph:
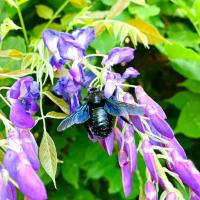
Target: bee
[98,113]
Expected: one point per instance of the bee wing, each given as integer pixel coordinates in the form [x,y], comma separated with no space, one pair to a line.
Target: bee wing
[117,108]
[80,116]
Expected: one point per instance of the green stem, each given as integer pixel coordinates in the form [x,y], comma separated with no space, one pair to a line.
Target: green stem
[41,108]
[56,14]
[22,25]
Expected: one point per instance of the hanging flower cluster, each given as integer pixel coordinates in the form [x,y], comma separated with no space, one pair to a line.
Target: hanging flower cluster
[21,161]
[157,140]
[156,136]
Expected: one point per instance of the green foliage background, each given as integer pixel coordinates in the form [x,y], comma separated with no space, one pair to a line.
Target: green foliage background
[170,73]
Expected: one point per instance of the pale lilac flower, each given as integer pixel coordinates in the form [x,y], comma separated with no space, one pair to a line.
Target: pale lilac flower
[70,91]
[23,96]
[119,55]
[150,191]
[7,190]
[126,172]
[149,158]
[171,196]
[67,47]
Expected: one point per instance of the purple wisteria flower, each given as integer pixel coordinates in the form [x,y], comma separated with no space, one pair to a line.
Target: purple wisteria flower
[23,96]
[67,47]
[150,191]
[7,190]
[21,162]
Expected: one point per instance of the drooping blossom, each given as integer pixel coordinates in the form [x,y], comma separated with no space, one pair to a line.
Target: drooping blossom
[7,190]
[21,162]
[23,96]
[150,191]
[67,47]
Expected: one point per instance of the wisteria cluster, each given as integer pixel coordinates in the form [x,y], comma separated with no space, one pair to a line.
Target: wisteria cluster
[157,140]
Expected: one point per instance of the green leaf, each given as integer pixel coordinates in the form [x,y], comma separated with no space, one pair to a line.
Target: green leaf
[177,51]
[55,115]
[149,30]
[15,74]
[11,53]
[44,11]
[11,3]
[189,120]
[181,98]
[70,171]
[144,12]
[118,8]
[192,85]
[110,43]
[140,2]
[58,101]
[48,156]
[108,2]
[187,68]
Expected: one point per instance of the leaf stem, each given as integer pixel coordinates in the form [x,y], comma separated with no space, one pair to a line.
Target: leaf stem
[22,25]
[55,15]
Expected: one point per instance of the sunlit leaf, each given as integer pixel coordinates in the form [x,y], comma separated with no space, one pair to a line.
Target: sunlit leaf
[80,3]
[192,85]
[189,120]
[149,30]
[15,74]
[11,3]
[48,156]
[140,2]
[6,26]
[117,8]
[58,101]
[123,29]
[44,11]
[11,53]
[55,115]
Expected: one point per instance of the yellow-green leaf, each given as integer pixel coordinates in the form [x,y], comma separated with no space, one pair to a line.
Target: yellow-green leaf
[79,3]
[150,31]
[44,11]
[56,115]
[48,156]
[15,74]
[118,7]
[140,2]
[58,101]
[11,3]
[11,53]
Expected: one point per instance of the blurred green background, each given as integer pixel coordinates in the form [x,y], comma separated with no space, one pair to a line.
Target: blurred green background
[170,74]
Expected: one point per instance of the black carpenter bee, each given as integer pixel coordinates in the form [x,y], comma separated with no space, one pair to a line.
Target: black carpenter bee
[98,112]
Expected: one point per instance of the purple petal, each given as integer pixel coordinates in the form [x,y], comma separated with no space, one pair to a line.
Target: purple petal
[126,173]
[19,117]
[109,142]
[194,196]
[131,149]
[89,77]
[171,196]
[174,144]
[143,98]
[77,72]
[50,38]
[34,90]
[69,49]
[119,55]
[130,73]
[137,123]
[11,192]
[29,149]
[57,62]
[160,124]
[109,88]
[84,36]
[149,159]
[29,183]
[150,191]
[186,171]
[10,160]
[117,135]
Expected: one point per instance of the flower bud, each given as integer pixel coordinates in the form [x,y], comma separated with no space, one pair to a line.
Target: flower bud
[171,196]
[150,191]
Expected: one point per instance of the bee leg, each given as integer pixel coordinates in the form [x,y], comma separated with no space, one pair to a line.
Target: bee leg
[89,132]
[125,119]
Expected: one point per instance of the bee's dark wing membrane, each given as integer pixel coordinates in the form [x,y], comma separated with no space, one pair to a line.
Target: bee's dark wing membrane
[80,116]
[117,108]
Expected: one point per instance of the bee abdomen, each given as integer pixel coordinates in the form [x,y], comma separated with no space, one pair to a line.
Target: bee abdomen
[100,122]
